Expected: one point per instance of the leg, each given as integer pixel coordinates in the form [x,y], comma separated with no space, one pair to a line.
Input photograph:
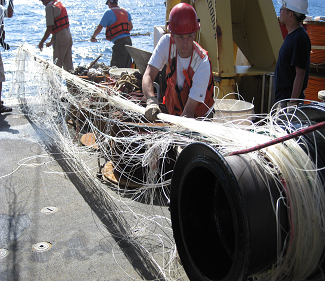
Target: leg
[67,63]
[121,57]
[62,44]
[3,108]
[114,58]
[128,62]
[56,52]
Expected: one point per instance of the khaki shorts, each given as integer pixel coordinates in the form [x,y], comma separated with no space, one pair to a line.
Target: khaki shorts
[62,52]
[2,71]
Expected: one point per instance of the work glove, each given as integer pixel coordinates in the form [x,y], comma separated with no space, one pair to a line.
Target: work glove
[292,103]
[152,109]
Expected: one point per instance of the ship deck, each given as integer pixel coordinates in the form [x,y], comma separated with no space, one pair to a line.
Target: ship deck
[56,224]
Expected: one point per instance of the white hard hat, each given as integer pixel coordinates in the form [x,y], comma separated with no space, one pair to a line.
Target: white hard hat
[299,6]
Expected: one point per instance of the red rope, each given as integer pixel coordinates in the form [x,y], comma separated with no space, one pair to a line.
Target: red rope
[282,139]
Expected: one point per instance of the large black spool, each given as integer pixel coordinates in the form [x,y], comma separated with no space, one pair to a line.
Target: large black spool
[222,210]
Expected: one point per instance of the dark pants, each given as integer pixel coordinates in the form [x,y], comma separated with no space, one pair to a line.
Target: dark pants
[121,57]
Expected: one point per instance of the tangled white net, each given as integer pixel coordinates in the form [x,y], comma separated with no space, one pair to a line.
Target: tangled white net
[135,158]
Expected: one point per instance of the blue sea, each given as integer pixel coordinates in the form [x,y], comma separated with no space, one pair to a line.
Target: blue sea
[28,26]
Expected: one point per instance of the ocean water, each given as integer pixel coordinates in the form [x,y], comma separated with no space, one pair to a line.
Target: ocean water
[28,26]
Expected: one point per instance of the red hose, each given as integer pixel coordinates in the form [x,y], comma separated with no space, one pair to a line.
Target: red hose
[282,139]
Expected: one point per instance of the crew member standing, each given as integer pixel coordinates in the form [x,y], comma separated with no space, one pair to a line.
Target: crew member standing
[188,74]
[292,68]
[118,23]
[57,24]
[4,12]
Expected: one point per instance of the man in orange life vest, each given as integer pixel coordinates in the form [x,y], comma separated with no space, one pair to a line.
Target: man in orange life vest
[118,23]
[57,23]
[188,69]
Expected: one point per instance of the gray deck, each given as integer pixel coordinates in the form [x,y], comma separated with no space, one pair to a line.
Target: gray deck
[83,234]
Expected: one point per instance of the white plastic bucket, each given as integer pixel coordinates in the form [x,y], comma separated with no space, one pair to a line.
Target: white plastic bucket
[116,72]
[321,95]
[235,111]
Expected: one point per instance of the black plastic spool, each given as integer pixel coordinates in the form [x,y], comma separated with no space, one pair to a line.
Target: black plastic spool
[222,216]
[223,221]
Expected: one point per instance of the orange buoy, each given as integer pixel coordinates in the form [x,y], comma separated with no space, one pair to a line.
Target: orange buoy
[89,139]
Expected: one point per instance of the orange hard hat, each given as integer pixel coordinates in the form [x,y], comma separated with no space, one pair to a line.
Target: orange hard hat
[183,19]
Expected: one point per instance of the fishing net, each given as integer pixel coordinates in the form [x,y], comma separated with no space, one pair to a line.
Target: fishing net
[102,132]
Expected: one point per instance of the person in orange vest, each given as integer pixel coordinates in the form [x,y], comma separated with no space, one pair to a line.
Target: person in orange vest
[189,75]
[57,24]
[118,23]
[4,12]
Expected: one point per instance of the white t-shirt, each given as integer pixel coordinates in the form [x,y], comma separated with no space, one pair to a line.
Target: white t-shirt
[200,78]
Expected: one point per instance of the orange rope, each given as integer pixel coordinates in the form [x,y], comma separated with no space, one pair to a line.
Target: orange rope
[314,86]
[317,56]
[316,34]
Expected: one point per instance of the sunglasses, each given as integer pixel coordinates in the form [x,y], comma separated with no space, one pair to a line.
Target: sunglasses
[284,9]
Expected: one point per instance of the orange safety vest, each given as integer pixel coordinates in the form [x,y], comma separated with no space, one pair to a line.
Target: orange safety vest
[175,100]
[62,21]
[120,26]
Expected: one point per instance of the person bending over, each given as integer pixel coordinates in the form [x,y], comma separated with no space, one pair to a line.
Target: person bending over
[189,75]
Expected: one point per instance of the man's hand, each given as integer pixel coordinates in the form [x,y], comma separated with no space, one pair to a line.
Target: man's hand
[40,45]
[152,109]
[292,103]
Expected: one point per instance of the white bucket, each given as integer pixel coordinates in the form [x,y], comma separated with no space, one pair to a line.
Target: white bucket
[116,72]
[321,95]
[230,110]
